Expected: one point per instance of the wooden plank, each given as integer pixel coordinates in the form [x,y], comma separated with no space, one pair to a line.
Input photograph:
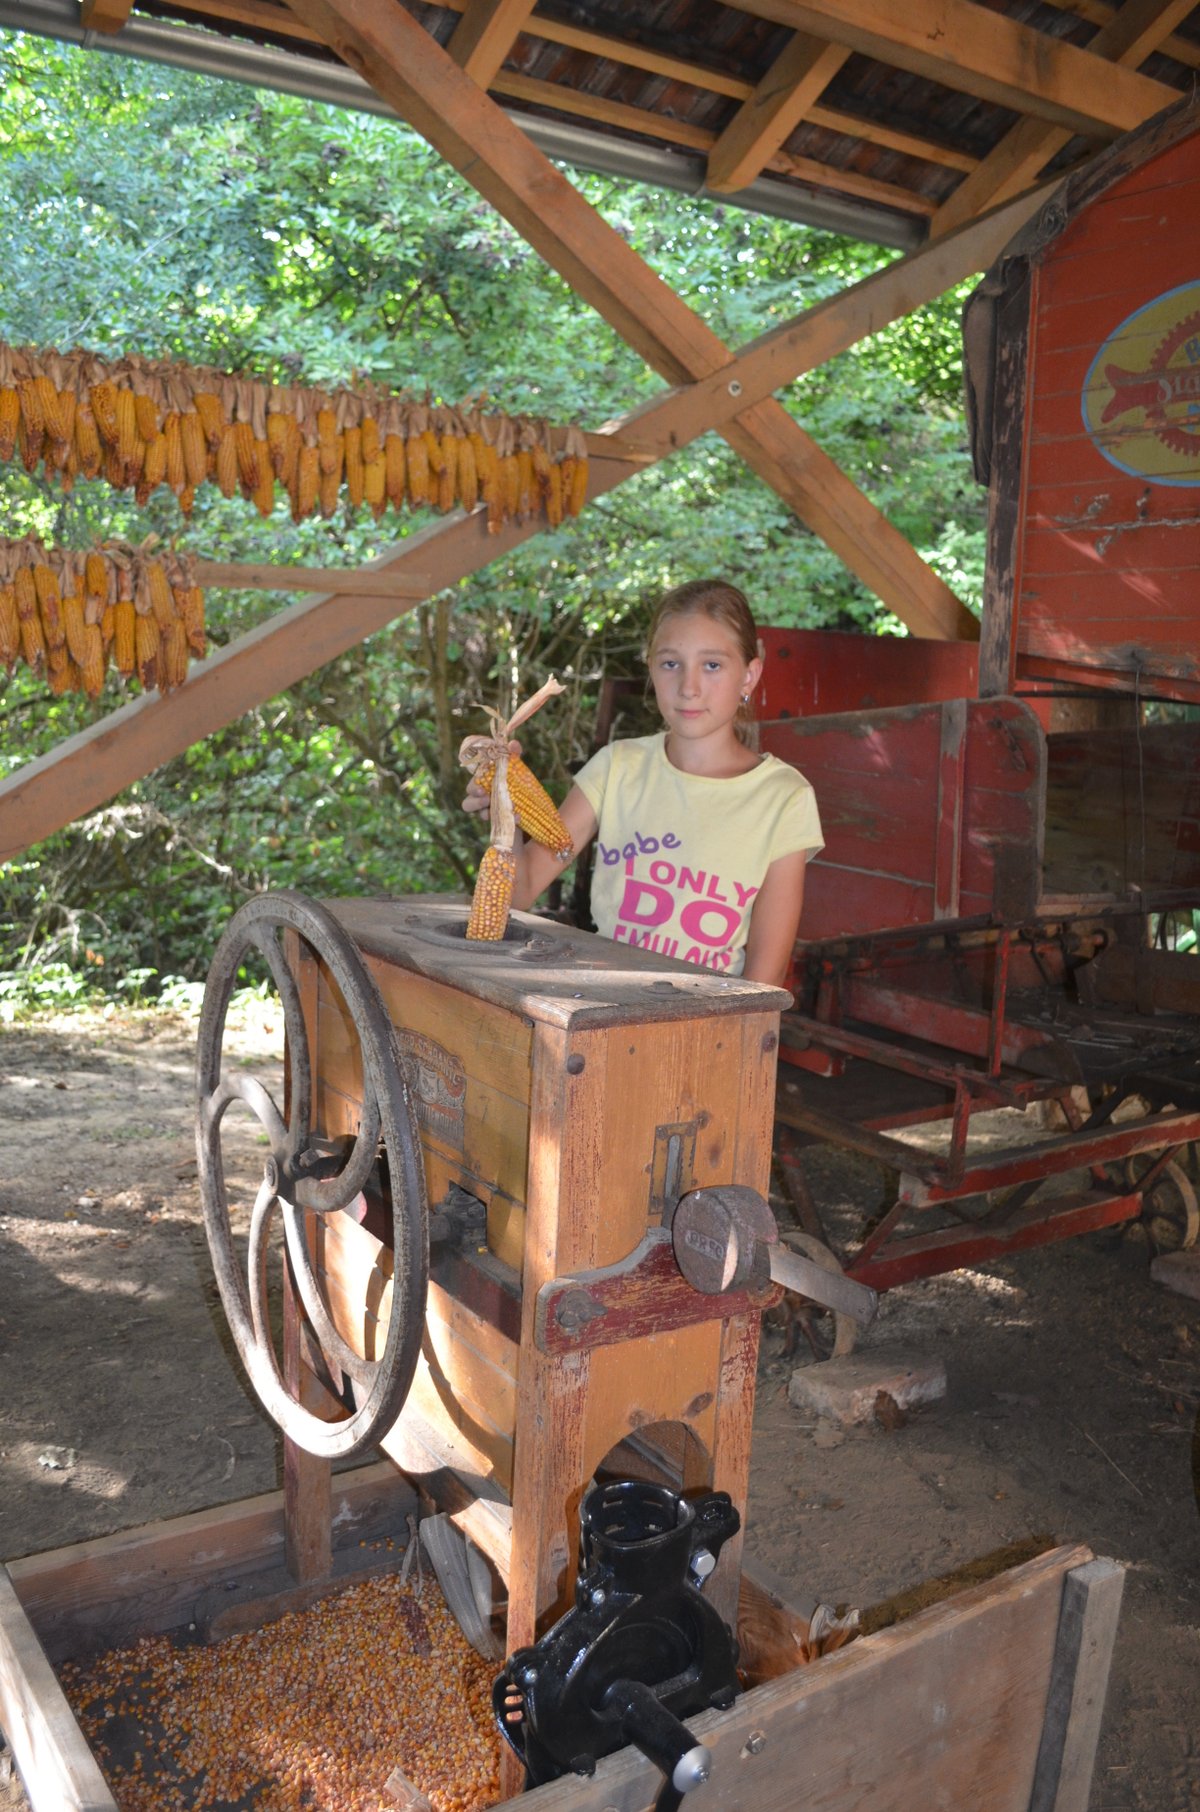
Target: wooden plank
[953,1700]
[908,144]
[485,34]
[764,122]
[1087,1630]
[1099,12]
[1128,38]
[359,582]
[47,1745]
[104,15]
[98,1594]
[976,51]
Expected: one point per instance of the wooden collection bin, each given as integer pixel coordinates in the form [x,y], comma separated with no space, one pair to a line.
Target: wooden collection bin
[991,1699]
[574,1088]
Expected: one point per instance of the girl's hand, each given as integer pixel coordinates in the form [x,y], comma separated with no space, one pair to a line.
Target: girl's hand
[478,798]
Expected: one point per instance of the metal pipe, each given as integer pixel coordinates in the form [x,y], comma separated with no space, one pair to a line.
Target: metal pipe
[233,59]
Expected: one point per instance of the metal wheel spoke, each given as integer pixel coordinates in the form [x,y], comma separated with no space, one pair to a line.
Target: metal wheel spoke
[331,1343]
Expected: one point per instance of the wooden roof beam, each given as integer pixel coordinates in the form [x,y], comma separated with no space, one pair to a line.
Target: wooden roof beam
[763,124]
[1099,12]
[411,71]
[1128,38]
[700,138]
[968,47]
[92,767]
[485,34]
[104,15]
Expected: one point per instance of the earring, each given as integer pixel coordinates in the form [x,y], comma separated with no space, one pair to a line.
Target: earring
[745,698]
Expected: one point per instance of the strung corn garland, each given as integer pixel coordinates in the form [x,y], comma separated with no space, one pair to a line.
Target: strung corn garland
[142,423]
[71,612]
[517,797]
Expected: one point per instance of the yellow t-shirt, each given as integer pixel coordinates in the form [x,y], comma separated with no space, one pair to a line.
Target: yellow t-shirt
[679,858]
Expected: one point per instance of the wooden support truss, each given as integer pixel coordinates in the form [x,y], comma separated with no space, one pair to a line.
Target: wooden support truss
[92,767]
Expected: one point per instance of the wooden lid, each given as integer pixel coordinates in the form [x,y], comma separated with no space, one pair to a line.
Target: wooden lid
[545,971]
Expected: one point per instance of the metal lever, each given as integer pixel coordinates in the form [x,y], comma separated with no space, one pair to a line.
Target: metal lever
[725,1238]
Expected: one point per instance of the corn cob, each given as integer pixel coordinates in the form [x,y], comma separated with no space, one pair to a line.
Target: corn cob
[308,479]
[162,599]
[247,457]
[33,417]
[375,485]
[354,467]
[10,415]
[190,604]
[87,442]
[124,636]
[416,455]
[74,628]
[447,484]
[154,466]
[176,468]
[146,641]
[372,445]
[212,417]
[33,642]
[329,442]
[395,470]
[103,398]
[49,604]
[91,667]
[534,808]
[128,438]
[173,656]
[492,899]
[226,468]
[10,627]
[468,475]
[108,626]
[145,415]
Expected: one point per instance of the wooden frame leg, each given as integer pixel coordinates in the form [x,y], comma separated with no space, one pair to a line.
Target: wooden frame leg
[307,1480]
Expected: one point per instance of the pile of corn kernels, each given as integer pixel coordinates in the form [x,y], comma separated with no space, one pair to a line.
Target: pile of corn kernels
[314,1711]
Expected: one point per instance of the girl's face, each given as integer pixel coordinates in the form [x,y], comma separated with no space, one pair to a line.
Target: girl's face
[699,674]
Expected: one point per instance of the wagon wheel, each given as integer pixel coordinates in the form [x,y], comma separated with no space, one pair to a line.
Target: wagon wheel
[1170,1211]
[830,1333]
[304,1174]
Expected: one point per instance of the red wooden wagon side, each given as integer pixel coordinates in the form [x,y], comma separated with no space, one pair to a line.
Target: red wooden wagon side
[1007,932]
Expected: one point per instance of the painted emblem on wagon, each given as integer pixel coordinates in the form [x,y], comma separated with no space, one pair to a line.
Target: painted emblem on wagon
[1141,396]
[438,1084]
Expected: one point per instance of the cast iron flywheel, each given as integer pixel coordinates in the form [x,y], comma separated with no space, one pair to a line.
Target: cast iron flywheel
[297,1180]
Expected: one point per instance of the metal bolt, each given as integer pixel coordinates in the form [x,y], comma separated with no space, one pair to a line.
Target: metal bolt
[575,1065]
[755,1743]
[735,387]
[596,1595]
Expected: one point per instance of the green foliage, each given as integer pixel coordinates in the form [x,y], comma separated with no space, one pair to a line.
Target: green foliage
[146,210]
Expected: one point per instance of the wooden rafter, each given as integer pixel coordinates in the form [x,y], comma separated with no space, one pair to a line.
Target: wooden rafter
[763,124]
[1099,12]
[700,138]
[104,15]
[411,71]
[968,47]
[1128,38]
[264,15]
[95,765]
[485,34]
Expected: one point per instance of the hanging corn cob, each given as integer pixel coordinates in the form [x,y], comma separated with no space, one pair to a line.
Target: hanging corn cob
[67,611]
[143,424]
[517,797]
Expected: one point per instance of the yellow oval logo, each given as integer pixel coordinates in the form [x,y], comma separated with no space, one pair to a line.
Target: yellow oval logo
[1141,397]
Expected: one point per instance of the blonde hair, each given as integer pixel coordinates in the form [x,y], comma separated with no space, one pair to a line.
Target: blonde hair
[725,604]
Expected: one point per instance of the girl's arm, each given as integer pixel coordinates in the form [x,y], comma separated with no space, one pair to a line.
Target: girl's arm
[538,866]
[775,920]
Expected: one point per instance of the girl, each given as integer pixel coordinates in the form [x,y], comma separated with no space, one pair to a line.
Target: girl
[701,842]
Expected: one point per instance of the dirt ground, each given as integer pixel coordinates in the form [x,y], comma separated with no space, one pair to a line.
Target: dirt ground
[1073,1388]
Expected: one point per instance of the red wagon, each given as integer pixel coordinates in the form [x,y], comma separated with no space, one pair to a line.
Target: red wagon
[1003,911]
